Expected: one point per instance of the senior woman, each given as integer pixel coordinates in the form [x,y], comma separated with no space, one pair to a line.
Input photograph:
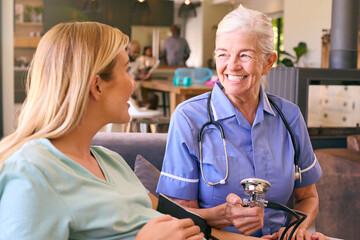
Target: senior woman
[206,177]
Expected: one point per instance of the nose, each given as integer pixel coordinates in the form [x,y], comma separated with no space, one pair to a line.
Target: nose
[234,63]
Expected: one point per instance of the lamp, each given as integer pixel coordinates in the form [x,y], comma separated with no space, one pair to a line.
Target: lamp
[92,6]
[141,7]
[187,9]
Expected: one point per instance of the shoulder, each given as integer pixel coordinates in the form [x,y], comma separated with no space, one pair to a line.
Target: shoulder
[33,167]
[193,105]
[190,114]
[289,109]
[36,152]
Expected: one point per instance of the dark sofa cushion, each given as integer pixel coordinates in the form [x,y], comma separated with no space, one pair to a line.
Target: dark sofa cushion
[150,145]
[147,173]
[339,195]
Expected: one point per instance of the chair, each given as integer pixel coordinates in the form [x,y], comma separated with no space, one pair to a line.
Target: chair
[137,112]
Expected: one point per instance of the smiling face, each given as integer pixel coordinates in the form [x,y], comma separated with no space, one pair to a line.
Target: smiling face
[240,64]
[118,91]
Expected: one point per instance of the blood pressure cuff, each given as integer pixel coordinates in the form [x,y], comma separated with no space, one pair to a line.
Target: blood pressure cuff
[167,206]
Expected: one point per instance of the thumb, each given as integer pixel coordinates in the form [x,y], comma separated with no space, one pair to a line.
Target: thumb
[233,199]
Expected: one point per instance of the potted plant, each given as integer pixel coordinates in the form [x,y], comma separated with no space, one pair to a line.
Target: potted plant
[293,60]
[38,13]
[28,13]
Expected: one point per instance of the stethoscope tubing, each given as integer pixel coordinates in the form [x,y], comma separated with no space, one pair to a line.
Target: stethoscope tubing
[220,128]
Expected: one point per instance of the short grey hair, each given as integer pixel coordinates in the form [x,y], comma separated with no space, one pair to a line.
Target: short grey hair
[243,19]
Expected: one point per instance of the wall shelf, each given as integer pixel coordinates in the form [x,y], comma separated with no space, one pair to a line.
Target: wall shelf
[28,24]
[26,42]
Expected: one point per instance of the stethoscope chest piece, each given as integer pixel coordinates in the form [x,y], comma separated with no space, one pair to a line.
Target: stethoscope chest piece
[255,187]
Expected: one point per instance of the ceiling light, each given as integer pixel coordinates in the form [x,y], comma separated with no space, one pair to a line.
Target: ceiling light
[187,9]
[92,6]
[141,7]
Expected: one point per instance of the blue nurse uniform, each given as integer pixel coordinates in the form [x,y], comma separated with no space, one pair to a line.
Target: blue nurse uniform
[261,150]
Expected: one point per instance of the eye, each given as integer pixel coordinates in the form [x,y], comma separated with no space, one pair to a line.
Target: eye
[222,55]
[245,57]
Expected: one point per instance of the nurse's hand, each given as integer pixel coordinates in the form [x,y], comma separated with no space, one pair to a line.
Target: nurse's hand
[302,234]
[167,227]
[318,236]
[247,220]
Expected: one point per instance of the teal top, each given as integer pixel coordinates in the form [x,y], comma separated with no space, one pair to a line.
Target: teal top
[46,195]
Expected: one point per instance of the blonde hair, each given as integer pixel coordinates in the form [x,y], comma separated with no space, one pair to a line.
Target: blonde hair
[243,19]
[58,82]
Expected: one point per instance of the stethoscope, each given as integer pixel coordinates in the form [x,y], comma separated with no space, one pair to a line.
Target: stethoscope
[220,128]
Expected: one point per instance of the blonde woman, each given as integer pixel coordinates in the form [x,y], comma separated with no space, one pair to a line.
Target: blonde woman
[53,184]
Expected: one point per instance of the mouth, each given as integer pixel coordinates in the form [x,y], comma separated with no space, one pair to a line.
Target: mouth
[235,78]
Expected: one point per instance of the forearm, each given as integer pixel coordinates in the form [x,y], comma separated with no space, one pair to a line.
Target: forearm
[223,235]
[215,216]
[310,207]
[306,200]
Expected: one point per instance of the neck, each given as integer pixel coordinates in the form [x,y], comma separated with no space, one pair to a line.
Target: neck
[246,104]
[76,143]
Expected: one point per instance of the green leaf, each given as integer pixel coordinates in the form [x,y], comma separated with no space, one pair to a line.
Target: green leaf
[300,50]
[287,62]
[287,54]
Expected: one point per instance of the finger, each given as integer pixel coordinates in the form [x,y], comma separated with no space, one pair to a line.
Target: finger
[198,236]
[162,218]
[267,237]
[191,231]
[186,222]
[280,232]
[243,221]
[273,236]
[318,236]
[233,199]
[249,229]
[307,236]
[301,234]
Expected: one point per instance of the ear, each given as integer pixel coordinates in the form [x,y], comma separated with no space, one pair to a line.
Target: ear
[269,62]
[96,87]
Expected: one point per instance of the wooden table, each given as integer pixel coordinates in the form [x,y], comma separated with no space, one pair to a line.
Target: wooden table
[178,94]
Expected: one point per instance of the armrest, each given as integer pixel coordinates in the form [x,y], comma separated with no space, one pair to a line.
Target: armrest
[353,142]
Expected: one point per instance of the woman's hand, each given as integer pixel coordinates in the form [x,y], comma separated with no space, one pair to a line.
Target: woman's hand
[300,234]
[247,220]
[318,236]
[167,227]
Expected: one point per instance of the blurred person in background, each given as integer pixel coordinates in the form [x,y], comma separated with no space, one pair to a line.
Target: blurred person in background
[140,73]
[175,49]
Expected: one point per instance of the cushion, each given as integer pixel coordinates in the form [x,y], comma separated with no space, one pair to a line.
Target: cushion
[147,173]
[339,195]
[353,142]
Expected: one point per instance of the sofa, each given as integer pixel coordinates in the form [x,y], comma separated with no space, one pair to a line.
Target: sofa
[339,209]
[339,195]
